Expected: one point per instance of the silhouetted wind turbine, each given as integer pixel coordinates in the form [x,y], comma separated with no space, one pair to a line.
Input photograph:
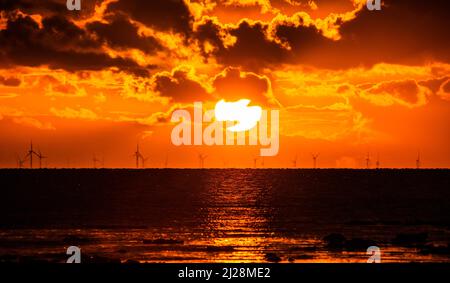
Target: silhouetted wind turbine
[315,156]
[368,161]
[418,162]
[138,156]
[95,160]
[30,154]
[255,160]
[20,161]
[202,158]
[378,161]
[166,161]
[294,162]
[40,156]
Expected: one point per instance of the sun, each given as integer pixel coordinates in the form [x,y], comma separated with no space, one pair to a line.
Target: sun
[246,116]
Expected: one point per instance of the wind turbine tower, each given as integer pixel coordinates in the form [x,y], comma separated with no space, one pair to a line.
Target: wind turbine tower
[201,158]
[315,156]
[255,161]
[95,160]
[418,162]
[20,162]
[294,162]
[166,161]
[138,156]
[368,161]
[30,154]
[378,161]
[40,156]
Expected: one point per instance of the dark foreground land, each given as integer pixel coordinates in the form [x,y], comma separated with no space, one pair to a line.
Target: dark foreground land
[225,215]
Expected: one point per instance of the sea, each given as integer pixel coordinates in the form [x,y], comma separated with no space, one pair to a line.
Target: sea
[225,215]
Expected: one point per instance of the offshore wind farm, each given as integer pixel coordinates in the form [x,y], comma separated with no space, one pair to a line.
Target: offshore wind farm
[25,161]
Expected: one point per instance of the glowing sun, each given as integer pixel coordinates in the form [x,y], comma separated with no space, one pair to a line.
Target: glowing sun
[246,116]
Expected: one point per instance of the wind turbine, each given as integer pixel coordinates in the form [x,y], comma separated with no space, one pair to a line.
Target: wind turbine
[255,160]
[95,160]
[294,162]
[315,156]
[20,161]
[378,161]
[138,156]
[30,154]
[202,158]
[418,162]
[166,161]
[40,156]
[368,161]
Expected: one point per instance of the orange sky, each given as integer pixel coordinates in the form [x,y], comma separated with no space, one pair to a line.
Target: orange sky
[347,81]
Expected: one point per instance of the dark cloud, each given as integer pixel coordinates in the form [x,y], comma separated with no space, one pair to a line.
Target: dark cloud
[10,81]
[209,30]
[49,7]
[251,49]
[59,44]
[254,48]
[403,32]
[30,6]
[180,87]
[232,85]
[61,33]
[165,15]
[122,34]
[307,44]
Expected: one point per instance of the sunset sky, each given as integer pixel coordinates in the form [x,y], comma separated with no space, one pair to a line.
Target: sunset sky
[347,81]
